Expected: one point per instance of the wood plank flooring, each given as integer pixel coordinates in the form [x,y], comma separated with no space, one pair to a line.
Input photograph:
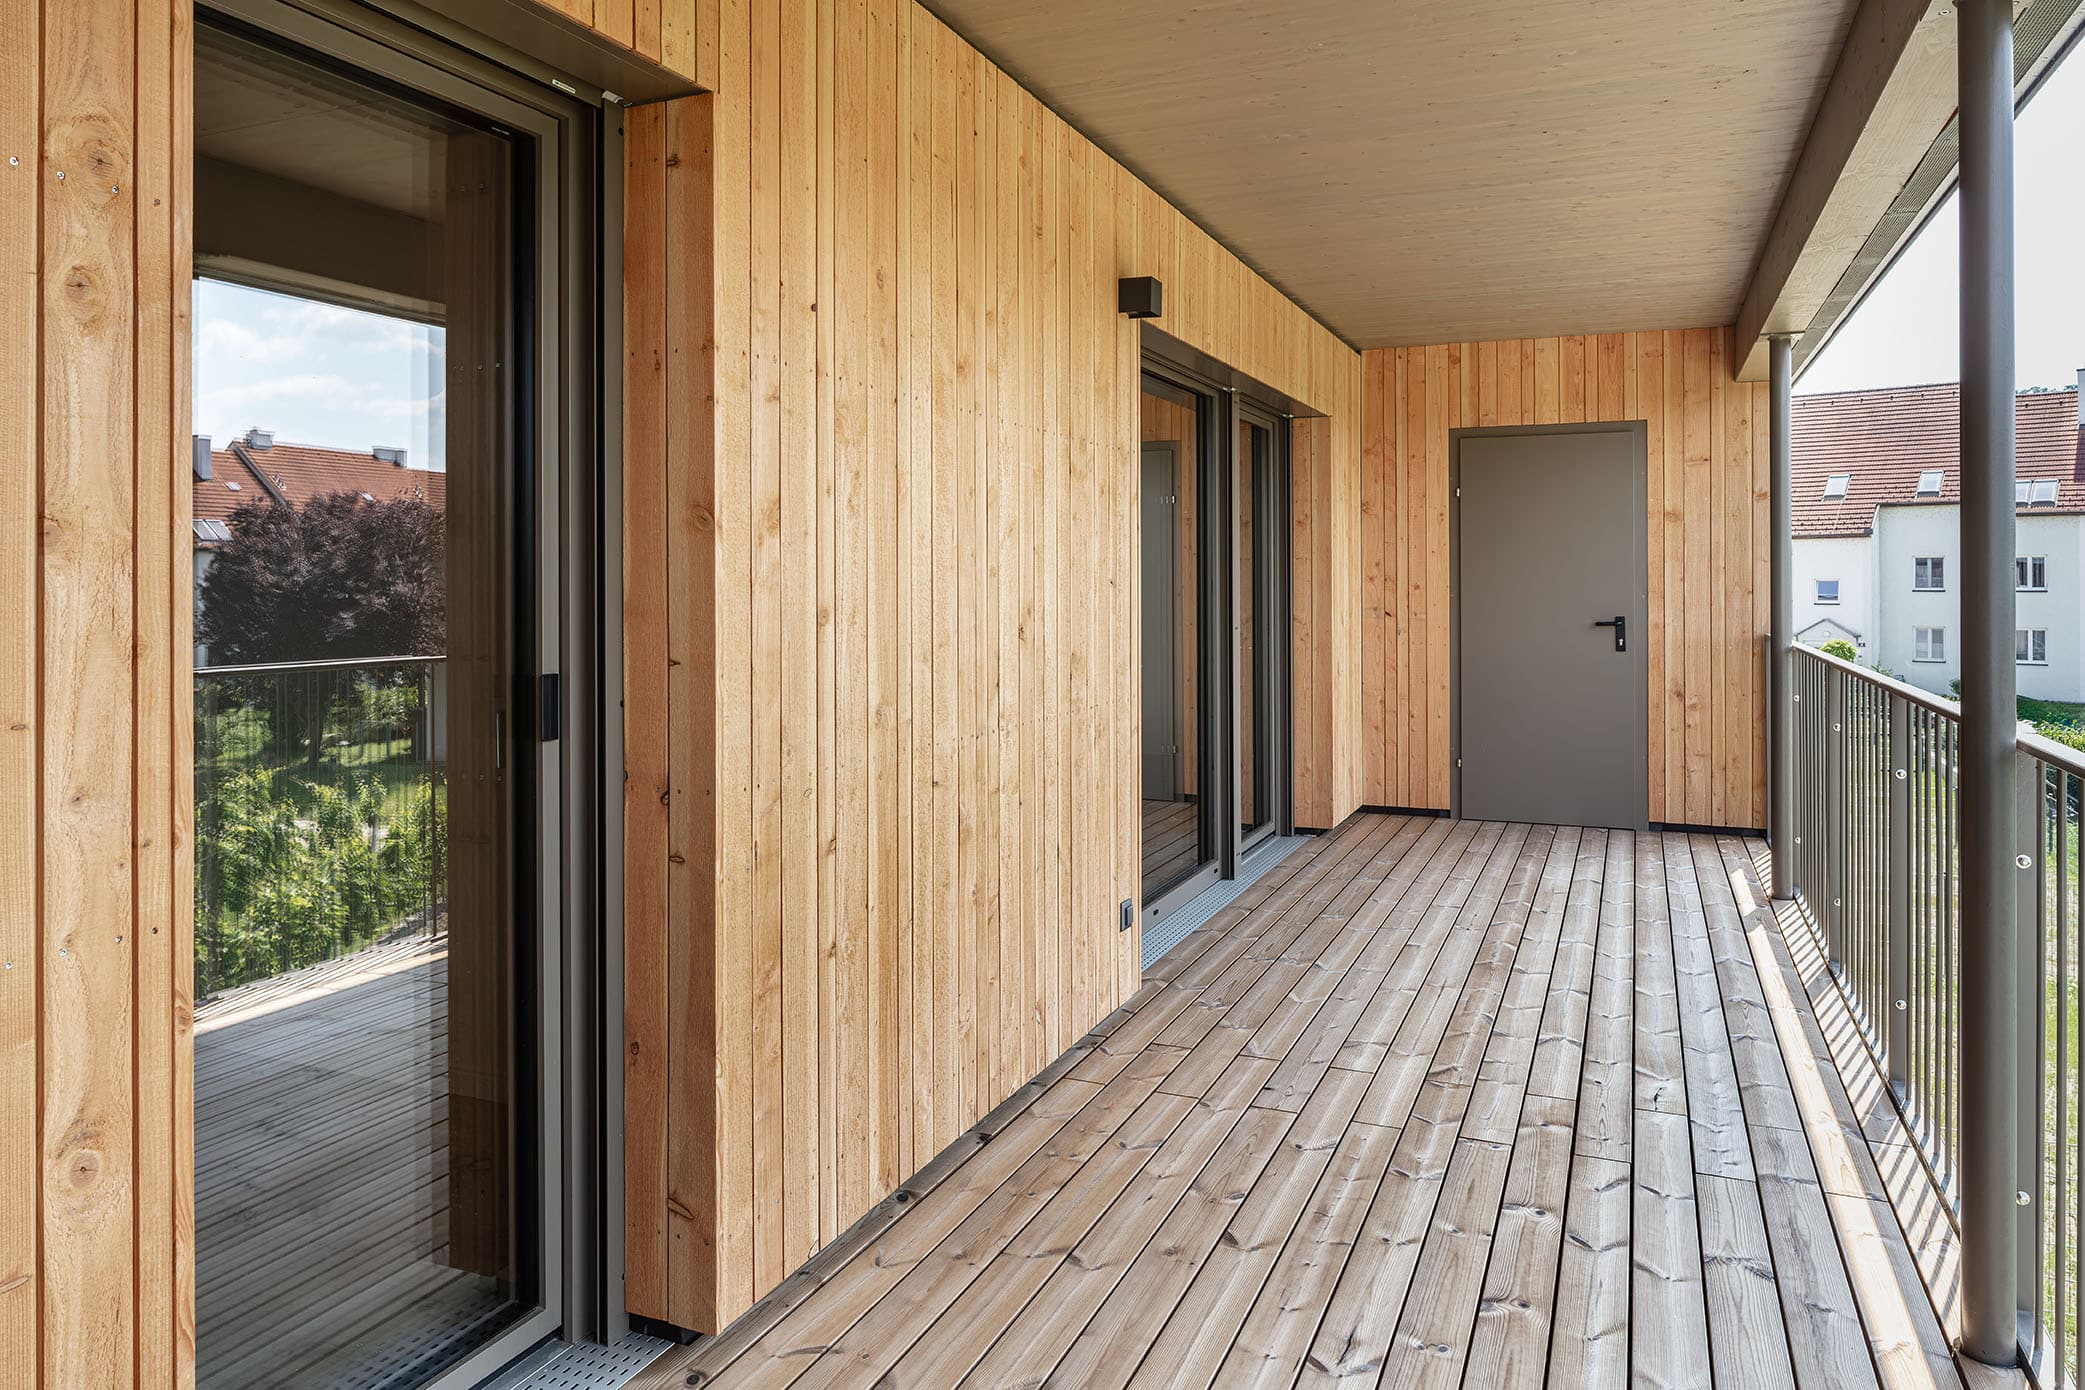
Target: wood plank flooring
[1434,1103]
[322,1177]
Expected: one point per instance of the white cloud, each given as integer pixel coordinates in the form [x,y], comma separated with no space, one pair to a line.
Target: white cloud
[316,373]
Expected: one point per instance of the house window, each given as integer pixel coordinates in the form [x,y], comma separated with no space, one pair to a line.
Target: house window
[1929,644]
[1929,483]
[2042,492]
[1835,487]
[2031,573]
[1827,591]
[2031,646]
[1929,572]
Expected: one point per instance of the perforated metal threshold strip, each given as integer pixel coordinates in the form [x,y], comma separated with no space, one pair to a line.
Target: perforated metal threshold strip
[583,1366]
[1162,937]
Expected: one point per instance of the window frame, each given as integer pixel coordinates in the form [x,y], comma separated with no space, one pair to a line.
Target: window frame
[1817,591]
[1929,574]
[2031,574]
[2027,642]
[1939,478]
[1836,486]
[1933,641]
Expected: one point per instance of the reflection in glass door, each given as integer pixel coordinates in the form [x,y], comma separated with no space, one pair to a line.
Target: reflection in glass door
[368,1192]
[1178,834]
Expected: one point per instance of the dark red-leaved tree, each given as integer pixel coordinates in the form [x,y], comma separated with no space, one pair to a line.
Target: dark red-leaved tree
[338,579]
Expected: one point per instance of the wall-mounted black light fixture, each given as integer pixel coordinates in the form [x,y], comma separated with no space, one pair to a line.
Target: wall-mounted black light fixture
[1140,297]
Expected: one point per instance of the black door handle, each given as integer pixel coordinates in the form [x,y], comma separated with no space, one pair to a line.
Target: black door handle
[1620,624]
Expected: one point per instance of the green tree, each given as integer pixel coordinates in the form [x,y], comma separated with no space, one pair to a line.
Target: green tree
[338,579]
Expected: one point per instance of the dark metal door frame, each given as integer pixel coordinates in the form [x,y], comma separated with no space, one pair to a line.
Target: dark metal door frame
[1269,509]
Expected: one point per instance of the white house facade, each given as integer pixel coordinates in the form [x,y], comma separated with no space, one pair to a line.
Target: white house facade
[1878,534]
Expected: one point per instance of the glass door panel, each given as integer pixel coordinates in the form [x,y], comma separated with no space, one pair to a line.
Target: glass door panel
[364,1210]
[1178,834]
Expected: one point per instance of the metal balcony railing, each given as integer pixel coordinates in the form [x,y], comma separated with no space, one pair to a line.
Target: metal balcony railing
[1876,866]
[320,813]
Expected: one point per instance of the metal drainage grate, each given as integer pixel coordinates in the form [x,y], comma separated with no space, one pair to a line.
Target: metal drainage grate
[1162,937]
[589,1366]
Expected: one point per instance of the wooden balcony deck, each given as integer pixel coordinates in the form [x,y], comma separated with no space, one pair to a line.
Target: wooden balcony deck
[1435,1103]
[322,1179]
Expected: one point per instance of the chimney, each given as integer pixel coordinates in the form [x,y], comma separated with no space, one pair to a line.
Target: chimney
[388,453]
[199,452]
[258,439]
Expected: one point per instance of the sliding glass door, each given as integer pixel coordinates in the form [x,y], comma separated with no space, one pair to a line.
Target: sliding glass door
[1179,833]
[380,396]
[1214,633]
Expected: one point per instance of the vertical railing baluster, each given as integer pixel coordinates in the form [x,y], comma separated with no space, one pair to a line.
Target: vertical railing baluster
[1897,1045]
[1835,820]
[2027,966]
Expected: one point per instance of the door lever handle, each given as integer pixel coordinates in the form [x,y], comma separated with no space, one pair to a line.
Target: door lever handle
[1620,624]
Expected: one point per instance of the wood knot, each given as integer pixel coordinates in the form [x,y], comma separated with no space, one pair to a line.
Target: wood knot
[83,1168]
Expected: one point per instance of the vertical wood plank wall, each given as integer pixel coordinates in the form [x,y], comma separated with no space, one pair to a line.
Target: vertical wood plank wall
[880,616]
[1708,520]
[678,35]
[96,1184]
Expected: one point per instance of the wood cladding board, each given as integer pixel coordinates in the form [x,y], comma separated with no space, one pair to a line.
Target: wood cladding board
[1708,529]
[880,608]
[678,35]
[96,1187]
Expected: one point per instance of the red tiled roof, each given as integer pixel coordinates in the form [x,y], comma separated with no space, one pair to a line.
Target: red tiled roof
[1885,439]
[304,471]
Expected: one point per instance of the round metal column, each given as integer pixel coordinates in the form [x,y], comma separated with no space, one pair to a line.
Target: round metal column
[1989,1056]
[1780,827]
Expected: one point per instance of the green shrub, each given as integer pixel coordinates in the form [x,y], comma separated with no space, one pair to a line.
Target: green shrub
[2069,735]
[292,872]
[1842,649]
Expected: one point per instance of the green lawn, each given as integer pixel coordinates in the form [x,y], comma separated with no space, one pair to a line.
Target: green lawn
[2052,712]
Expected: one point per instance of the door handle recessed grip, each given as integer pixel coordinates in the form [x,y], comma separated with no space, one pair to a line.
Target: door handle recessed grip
[1620,624]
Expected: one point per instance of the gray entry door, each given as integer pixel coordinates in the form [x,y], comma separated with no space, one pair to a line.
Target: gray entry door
[1550,541]
[1161,557]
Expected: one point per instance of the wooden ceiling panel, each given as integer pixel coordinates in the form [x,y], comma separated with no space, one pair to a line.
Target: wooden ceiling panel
[1416,173]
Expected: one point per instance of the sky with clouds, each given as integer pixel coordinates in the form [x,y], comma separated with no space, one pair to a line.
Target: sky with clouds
[315,373]
[1907,331]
